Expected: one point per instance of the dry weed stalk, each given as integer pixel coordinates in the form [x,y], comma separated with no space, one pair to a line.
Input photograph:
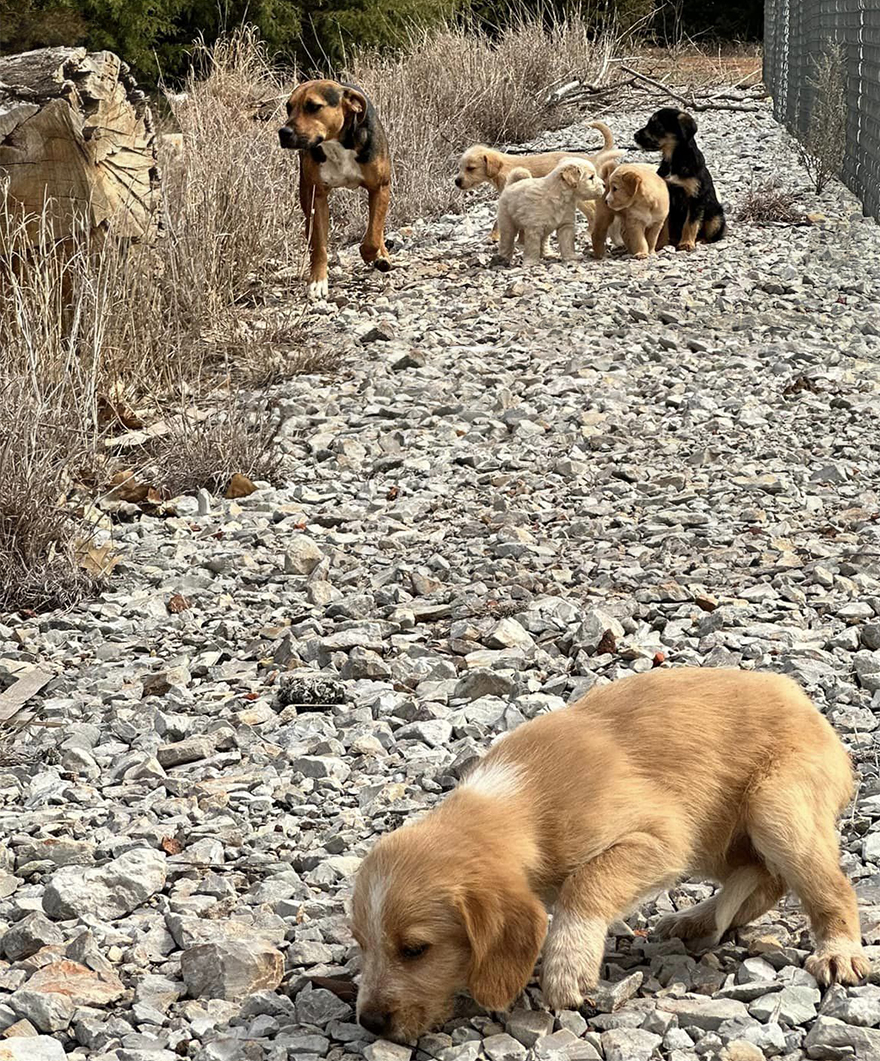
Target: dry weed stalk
[823,147]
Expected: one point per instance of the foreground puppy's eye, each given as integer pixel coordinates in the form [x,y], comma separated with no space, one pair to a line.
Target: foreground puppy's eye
[411,951]
[311,107]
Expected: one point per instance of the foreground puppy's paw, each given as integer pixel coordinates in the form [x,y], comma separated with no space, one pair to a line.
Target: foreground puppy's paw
[641,255]
[318,289]
[383,265]
[498,262]
[839,961]
[686,247]
[561,987]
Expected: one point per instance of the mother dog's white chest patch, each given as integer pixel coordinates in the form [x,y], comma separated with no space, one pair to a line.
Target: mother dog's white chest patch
[341,169]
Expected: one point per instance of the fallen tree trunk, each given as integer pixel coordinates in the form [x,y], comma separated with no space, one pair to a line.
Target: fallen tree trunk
[76,144]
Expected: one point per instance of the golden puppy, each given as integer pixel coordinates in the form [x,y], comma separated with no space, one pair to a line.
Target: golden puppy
[536,206]
[484,165]
[639,198]
[726,774]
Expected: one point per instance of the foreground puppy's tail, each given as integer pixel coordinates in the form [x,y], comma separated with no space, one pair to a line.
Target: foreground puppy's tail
[518,173]
[607,135]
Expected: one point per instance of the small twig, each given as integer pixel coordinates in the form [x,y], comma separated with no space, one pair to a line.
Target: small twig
[659,85]
[743,80]
[585,90]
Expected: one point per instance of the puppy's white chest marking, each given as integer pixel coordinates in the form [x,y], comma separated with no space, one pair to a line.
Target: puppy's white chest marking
[341,169]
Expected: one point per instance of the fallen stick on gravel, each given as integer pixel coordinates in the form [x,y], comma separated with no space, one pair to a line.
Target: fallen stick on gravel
[693,103]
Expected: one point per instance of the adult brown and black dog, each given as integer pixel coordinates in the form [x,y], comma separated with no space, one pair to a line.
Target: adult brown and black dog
[341,144]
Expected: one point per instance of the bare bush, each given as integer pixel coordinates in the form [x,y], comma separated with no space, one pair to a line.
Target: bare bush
[768,203]
[39,534]
[207,453]
[823,147]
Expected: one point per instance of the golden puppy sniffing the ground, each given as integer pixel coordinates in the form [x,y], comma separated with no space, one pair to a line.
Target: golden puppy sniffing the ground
[638,199]
[724,774]
[537,206]
[484,165]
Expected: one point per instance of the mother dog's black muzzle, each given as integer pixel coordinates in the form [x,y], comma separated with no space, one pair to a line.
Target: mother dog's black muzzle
[292,140]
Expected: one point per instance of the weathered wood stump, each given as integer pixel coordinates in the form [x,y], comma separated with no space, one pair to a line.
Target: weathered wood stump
[76,144]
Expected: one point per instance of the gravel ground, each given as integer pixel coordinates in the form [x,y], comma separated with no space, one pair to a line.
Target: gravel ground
[524,484]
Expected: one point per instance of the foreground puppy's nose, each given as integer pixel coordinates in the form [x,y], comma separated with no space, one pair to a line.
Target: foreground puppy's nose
[285,136]
[375,1021]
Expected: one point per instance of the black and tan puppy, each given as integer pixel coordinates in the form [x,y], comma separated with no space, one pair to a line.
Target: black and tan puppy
[342,145]
[694,211]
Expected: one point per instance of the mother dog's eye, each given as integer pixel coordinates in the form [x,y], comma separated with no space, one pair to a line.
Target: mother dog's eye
[411,951]
[312,108]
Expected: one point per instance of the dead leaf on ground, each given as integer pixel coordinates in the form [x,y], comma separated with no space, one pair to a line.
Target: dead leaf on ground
[177,604]
[115,410]
[97,560]
[344,989]
[171,845]
[607,643]
[127,486]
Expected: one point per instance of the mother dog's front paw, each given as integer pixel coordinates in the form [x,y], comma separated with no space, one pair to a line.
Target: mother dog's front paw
[318,289]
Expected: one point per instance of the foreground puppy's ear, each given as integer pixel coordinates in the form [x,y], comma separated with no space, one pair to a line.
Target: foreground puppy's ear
[506,929]
[688,125]
[355,103]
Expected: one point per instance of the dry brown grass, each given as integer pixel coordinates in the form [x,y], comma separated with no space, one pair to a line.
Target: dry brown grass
[697,65]
[455,86]
[157,326]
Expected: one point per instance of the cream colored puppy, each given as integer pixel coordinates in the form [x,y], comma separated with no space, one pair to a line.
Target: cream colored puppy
[484,165]
[637,199]
[725,774]
[537,206]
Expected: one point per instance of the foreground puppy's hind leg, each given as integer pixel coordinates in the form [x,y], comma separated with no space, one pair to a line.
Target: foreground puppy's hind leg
[796,835]
[590,898]
[746,893]
[373,250]
[507,234]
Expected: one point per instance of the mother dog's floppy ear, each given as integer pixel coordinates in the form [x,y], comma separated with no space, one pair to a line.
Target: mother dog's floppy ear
[355,103]
[688,125]
[506,926]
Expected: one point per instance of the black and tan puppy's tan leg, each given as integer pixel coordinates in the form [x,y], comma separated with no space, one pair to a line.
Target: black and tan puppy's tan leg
[690,231]
[316,208]
[373,250]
